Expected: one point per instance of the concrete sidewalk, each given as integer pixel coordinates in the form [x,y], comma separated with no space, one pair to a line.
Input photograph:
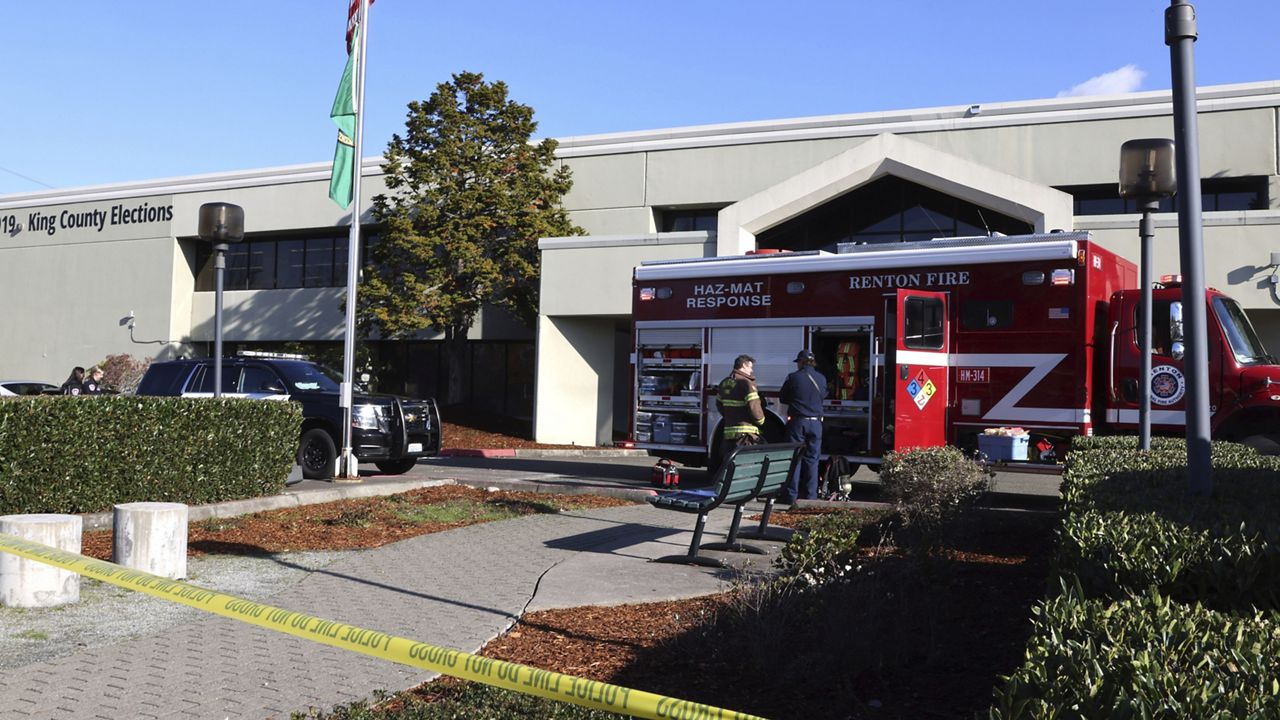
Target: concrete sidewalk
[457,589]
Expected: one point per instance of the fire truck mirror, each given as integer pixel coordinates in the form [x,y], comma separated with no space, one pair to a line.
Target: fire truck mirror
[1175,321]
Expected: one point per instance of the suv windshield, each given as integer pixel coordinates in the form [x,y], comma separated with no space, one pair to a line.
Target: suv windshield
[1244,342]
[307,377]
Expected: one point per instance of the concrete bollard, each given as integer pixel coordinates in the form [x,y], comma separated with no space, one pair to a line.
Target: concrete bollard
[150,536]
[30,584]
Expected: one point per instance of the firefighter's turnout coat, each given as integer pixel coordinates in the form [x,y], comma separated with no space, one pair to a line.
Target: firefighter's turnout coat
[739,404]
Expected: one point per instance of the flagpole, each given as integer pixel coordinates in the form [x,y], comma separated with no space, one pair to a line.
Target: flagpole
[348,467]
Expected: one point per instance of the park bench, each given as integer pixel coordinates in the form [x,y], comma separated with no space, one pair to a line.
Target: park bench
[749,472]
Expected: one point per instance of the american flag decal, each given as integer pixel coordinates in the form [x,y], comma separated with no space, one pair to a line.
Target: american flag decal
[1059,313]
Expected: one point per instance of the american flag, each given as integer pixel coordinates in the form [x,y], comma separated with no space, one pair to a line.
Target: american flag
[353,12]
[1059,313]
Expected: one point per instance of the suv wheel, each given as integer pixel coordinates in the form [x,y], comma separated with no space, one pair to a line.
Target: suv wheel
[397,467]
[316,454]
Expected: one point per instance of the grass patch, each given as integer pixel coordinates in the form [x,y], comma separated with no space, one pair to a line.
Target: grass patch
[221,524]
[358,517]
[454,511]
[32,635]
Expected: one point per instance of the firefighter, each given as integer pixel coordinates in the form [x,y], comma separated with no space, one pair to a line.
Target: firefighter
[803,392]
[739,404]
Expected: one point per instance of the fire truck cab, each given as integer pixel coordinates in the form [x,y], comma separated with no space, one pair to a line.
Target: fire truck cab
[930,343]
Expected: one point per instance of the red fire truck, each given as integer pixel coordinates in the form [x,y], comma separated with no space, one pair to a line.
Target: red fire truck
[935,343]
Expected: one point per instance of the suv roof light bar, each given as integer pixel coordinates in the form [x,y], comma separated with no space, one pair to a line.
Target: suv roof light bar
[268,354]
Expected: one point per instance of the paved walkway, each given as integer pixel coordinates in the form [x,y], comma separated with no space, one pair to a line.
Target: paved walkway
[457,589]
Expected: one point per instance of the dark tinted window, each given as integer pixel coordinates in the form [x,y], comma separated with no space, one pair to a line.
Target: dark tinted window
[1225,193]
[203,380]
[319,263]
[986,314]
[290,261]
[686,220]
[261,268]
[887,210]
[257,379]
[922,324]
[164,379]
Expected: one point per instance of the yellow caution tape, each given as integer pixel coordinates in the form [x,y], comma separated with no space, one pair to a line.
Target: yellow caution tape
[498,673]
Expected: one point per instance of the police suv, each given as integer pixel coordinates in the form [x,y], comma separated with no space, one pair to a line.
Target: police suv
[389,431]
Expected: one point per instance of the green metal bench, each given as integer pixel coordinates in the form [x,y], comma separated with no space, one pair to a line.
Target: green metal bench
[749,472]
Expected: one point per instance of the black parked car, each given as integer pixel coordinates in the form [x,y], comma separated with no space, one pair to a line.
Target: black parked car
[391,432]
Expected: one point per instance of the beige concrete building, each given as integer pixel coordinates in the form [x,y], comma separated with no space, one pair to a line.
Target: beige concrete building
[76,264]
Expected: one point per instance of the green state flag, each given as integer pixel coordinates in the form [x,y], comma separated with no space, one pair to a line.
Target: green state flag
[343,115]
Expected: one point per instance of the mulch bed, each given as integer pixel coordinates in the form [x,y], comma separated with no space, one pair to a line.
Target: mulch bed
[348,524]
[926,638]
[929,645]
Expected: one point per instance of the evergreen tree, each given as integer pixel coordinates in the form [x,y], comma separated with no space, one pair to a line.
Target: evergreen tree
[469,195]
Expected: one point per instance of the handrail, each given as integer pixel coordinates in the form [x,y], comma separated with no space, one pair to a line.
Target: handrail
[1111,364]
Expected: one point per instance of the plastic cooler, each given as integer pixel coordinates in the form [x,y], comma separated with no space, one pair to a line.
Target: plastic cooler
[1004,447]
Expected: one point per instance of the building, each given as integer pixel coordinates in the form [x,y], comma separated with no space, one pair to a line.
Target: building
[77,264]
[882,177]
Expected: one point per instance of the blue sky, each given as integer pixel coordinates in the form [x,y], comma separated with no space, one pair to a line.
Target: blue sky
[102,92]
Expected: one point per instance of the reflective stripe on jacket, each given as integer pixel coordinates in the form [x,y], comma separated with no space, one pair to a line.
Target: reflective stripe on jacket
[739,403]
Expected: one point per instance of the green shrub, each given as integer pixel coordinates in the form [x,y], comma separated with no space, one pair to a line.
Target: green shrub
[928,486]
[1131,525]
[824,548]
[1146,657]
[76,454]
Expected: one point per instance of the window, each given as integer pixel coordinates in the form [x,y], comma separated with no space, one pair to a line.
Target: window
[318,263]
[1161,336]
[986,315]
[290,258]
[1238,193]
[257,379]
[266,263]
[922,323]
[202,381]
[687,220]
[887,210]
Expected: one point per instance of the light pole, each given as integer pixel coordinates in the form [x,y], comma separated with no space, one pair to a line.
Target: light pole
[1146,175]
[1180,35]
[220,224]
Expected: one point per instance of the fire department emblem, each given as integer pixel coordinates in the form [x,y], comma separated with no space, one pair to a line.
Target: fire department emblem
[921,389]
[1167,385]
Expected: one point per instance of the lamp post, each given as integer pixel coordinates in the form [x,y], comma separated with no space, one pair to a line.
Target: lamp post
[1180,35]
[220,224]
[1146,175]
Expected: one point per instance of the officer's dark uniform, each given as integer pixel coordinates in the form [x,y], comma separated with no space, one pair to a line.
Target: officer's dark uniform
[803,392]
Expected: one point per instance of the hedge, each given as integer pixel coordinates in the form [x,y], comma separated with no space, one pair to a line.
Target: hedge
[1146,657]
[1131,525]
[85,454]
[1169,604]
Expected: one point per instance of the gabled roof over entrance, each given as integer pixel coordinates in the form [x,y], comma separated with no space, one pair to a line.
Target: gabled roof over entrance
[1043,207]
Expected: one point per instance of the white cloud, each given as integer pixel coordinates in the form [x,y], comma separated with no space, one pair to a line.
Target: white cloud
[1125,80]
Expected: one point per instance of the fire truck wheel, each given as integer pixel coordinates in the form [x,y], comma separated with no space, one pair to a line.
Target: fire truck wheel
[1267,443]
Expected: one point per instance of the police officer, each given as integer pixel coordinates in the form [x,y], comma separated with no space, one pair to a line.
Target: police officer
[92,384]
[803,392]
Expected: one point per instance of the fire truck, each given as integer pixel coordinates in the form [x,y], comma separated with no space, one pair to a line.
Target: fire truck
[933,343]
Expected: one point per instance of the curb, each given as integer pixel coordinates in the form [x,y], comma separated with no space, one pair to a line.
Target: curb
[295,498]
[637,495]
[542,452]
[286,499]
